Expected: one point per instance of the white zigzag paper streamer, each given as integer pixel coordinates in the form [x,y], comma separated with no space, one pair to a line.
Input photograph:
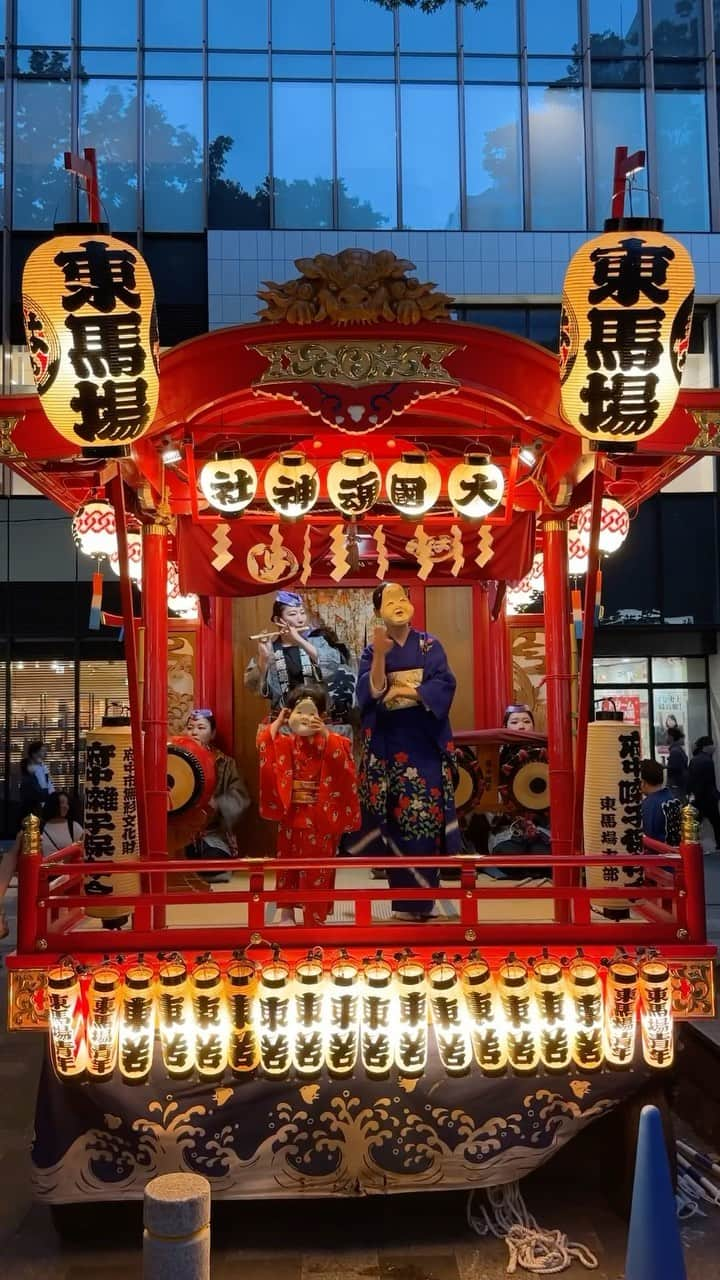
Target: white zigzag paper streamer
[221,544]
[485,547]
[338,552]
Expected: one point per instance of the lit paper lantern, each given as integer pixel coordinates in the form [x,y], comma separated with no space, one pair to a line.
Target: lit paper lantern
[354,483]
[175,1019]
[586,994]
[413,483]
[94,530]
[411,1045]
[521,1029]
[612,809]
[343,1017]
[621,989]
[476,486]
[553,1010]
[137,1023]
[656,1023]
[180,605]
[229,483]
[211,1023]
[523,593]
[68,1050]
[241,984]
[273,1018]
[625,330]
[378,1019]
[102,1022]
[614,526]
[134,555]
[292,485]
[577,554]
[91,330]
[486,1029]
[309,1040]
[449,1018]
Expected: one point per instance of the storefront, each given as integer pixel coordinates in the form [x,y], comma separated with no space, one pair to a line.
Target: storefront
[656,693]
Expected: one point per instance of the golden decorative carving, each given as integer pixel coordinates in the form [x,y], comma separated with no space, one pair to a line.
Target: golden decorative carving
[555,526]
[693,988]
[355,286]
[359,363]
[8,448]
[707,439]
[32,837]
[690,831]
[27,1006]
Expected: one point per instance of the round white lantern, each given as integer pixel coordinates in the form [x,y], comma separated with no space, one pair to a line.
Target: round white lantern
[134,550]
[292,485]
[182,606]
[354,483]
[228,483]
[475,486]
[413,484]
[533,584]
[614,526]
[577,554]
[94,530]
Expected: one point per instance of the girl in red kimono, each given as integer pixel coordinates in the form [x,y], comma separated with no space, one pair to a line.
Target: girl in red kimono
[308,785]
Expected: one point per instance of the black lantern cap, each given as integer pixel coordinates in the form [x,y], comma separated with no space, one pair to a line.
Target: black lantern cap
[81,228]
[633,224]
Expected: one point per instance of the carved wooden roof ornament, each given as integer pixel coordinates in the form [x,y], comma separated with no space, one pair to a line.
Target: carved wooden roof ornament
[354,286]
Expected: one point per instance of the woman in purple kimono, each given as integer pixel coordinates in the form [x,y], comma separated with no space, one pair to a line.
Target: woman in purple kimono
[405,690]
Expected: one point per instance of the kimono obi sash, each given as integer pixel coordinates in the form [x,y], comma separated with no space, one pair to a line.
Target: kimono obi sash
[412,676]
[304,792]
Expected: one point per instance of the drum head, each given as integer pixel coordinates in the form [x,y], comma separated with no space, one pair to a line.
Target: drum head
[469,779]
[531,787]
[189,774]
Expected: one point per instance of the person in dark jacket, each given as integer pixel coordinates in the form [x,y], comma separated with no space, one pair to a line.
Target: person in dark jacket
[660,808]
[702,785]
[677,761]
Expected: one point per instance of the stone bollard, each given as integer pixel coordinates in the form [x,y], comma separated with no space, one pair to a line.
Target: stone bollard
[176,1217]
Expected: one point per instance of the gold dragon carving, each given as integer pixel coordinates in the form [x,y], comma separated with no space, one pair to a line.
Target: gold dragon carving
[355,286]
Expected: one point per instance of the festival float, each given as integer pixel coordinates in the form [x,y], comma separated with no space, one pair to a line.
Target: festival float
[355,436]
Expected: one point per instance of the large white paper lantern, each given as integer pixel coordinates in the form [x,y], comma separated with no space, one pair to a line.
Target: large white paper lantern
[476,486]
[354,483]
[134,554]
[614,526]
[228,483]
[413,483]
[292,485]
[94,530]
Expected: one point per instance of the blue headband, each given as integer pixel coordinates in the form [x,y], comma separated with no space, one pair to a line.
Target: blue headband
[205,712]
[288,598]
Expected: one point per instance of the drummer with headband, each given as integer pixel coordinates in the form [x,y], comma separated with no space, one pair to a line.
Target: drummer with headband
[292,654]
[229,801]
[523,826]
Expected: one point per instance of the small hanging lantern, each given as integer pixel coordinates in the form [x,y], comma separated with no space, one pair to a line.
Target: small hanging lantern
[553,1008]
[292,485]
[181,606]
[354,483]
[621,1012]
[102,1022]
[488,1040]
[625,330]
[378,1019]
[274,1017]
[134,555]
[614,526]
[577,554]
[656,1023]
[309,1046]
[241,983]
[411,1046]
[449,1017]
[68,1049]
[475,486]
[586,993]
[413,484]
[228,482]
[521,1029]
[344,1017]
[91,330]
[175,1019]
[211,1024]
[532,585]
[94,530]
[137,1023]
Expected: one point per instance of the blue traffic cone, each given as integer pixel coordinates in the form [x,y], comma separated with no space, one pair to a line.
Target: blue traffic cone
[654,1249]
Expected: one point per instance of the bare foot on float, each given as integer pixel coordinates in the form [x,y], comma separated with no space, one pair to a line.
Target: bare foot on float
[286,917]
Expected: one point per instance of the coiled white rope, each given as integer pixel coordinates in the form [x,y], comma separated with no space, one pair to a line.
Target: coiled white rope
[505,1215]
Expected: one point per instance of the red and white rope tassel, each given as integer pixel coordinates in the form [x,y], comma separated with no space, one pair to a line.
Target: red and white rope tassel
[502,1213]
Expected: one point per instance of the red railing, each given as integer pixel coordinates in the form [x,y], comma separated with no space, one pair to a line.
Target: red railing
[668,908]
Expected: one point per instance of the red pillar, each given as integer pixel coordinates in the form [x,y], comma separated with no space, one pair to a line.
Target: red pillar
[156,696]
[481,648]
[499,684]
[558,675]
[224,707]
[205,660]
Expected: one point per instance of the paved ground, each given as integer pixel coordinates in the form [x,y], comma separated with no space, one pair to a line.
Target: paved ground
[423,1237]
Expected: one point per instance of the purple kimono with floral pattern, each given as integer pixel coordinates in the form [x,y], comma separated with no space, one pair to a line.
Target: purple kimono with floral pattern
[406,789]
